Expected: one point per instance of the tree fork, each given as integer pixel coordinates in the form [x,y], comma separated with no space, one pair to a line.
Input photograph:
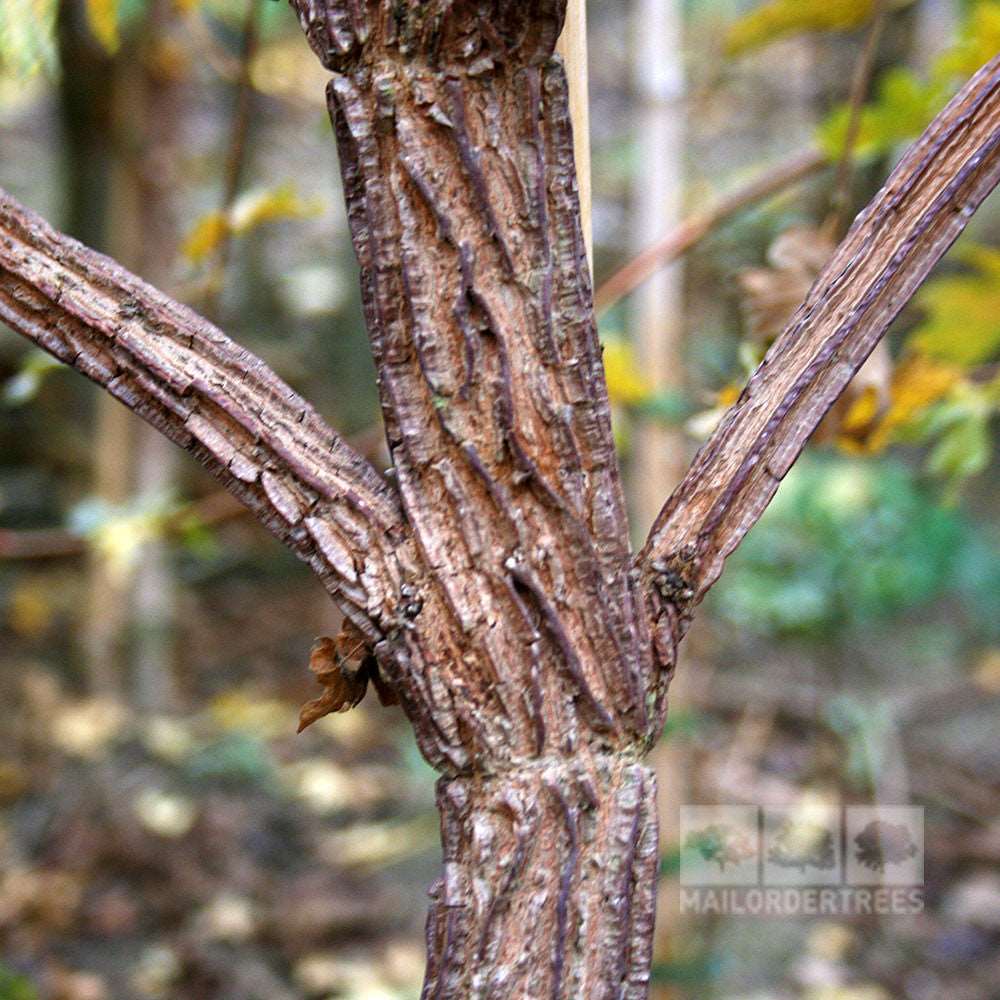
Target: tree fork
[493,580]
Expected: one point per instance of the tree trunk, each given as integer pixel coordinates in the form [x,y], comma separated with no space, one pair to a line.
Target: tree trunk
[549,884]
[492,577]
[537,694]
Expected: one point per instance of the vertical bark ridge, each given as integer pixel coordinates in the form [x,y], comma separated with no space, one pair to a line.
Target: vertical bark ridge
[565,849]
[527,671]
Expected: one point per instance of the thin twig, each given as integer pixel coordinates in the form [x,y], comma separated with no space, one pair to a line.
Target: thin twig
[235,158]
[697,226]
[56,543]
[860,86]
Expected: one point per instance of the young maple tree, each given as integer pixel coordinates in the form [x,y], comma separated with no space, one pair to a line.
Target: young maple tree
[490,577]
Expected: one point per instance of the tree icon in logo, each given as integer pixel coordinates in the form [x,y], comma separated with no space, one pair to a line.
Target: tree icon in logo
[801,844]
[881,843]
[722,844]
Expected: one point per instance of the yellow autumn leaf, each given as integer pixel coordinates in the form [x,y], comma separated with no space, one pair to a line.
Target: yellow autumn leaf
[917,382]
[777,18]
[626,383]
[856,425]
[268,205]
[102,17]
[205,237]
[250,210]
[30,610]
[962,323]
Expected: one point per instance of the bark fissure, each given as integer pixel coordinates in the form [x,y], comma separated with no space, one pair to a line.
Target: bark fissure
[456,153]
[492,575]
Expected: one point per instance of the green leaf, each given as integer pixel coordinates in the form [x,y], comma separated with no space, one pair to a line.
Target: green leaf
[15,987]
[962,322]
[904,104]
[963,450]
[668,407]
[844,543]
[901,110]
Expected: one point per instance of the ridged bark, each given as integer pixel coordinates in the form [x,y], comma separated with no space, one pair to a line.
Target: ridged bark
[265,443]
[549,883]
[527,671]
[892,246]
[493,580]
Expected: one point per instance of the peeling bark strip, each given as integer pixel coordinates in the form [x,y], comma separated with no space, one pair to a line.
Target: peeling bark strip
[495,585]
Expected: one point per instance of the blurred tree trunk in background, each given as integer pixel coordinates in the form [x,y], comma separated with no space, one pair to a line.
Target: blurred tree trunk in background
[656,322]
[153,117]
[937,21]
[656,317]
[88,104]
[121,115]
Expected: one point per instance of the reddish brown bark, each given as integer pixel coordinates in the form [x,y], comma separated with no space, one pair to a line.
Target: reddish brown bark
[494,581]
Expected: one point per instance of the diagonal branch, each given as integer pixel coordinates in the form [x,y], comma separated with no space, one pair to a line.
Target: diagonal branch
[887,254]
[692,230]
[265,443]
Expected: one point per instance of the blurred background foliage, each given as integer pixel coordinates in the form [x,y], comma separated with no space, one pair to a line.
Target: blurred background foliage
[163,832]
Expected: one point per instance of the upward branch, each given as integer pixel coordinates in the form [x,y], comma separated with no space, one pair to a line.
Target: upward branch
[266,444]
[888,252]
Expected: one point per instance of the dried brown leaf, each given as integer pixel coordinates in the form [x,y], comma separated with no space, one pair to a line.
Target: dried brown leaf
[344,686]
[771,294]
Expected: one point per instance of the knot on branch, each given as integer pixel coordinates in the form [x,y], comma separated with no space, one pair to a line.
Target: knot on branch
[469,36]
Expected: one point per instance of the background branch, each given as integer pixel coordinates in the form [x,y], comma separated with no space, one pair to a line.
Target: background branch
[266,444]
[887,254]
[698,225]
[860,86]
